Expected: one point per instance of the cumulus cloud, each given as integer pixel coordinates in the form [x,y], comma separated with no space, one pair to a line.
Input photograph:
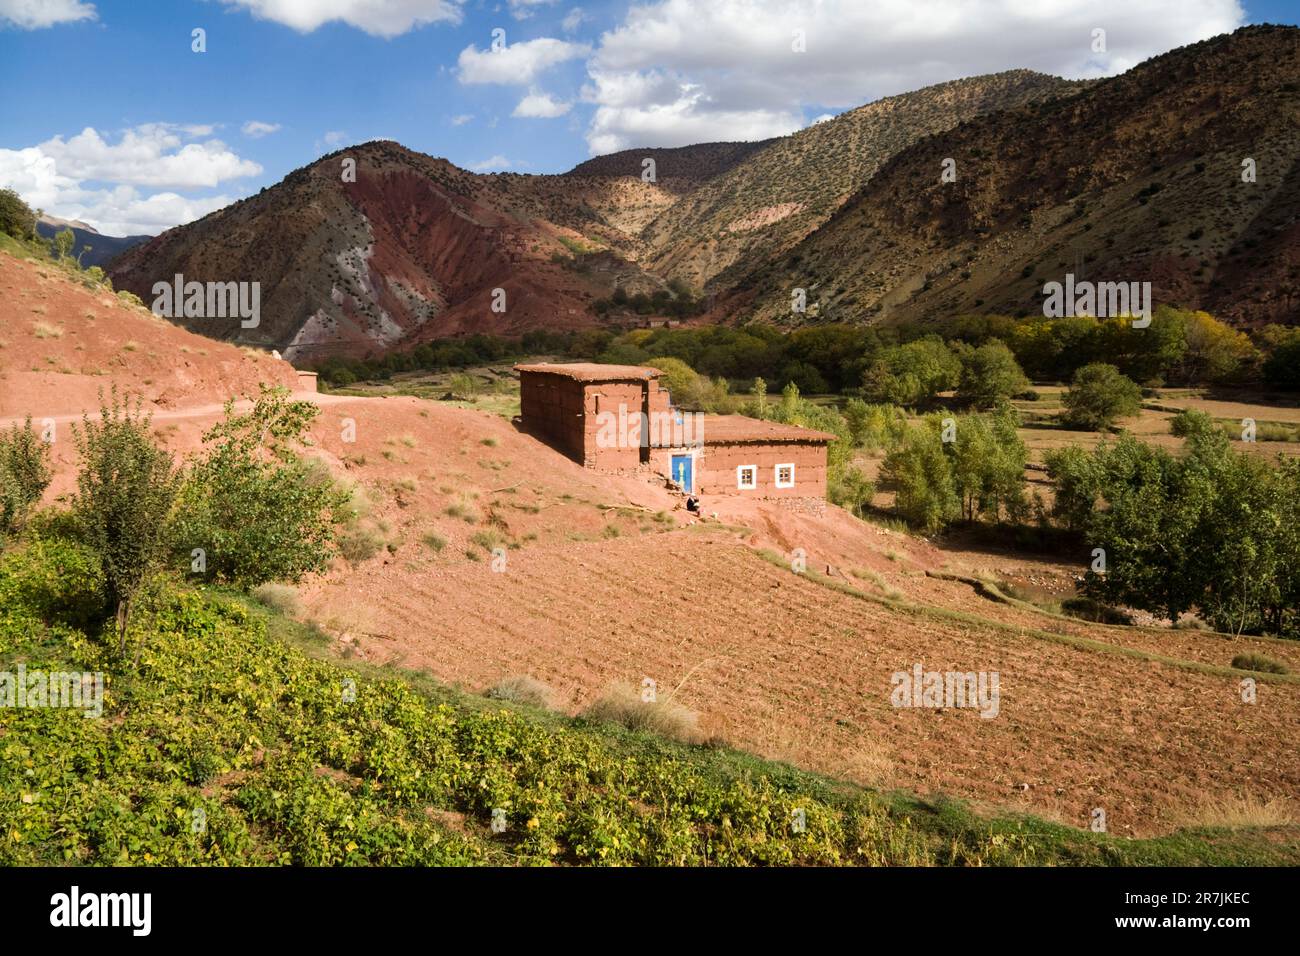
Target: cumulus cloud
[39,14]
[111,185]
[256,129]
[381,18]
[678,70]
[147,155]
[538,105]
[492,162]
[516,63]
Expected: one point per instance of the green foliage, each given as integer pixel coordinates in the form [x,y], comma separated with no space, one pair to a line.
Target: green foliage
[55,578]
[125,491]
[1282,367]
[1098,396]
[24,475]
[1212,530]
[62,244]
[920,472]
[874,426]
[912,373]
[990,376]
[1259,662]
[464,386]
[258,510]
[978,473]
[988,466]
[1191,421]
[691,391]
[16,217]
[852,490]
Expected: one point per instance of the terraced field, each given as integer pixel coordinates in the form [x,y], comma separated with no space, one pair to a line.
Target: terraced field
[790,667]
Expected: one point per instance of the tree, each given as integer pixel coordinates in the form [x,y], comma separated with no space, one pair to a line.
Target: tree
[16,217]
[990,375]
[1282,367]
[125,491]
[921,474]
[1098,396]
[1212,530]
[988,464]
[1215,352]
[912,373]
[258,510]
[681,381]
[24,475]
[64,241]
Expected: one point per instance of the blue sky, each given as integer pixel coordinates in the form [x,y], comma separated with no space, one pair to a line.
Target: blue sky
[109,114]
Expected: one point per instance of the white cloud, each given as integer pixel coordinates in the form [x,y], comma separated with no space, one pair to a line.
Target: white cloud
[523,9]
[538,105]
[332,139]
[38,14]
[573,19]
[381,18]
[109,185]
[678,71]
[256,129]
[516,63]
[461,120]
[147,155]
[492,162]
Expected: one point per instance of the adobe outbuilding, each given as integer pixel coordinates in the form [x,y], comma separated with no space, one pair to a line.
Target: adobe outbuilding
[618,418]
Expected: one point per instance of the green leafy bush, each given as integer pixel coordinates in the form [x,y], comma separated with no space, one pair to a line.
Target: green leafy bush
[125,491]
[24,475]
[259,511]
[1098,396]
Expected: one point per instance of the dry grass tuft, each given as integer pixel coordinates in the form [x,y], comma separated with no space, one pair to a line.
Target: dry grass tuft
[522,689]
[1239,811]
[622,704]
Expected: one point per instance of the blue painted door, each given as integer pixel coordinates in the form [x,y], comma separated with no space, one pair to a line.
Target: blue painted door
[682,471]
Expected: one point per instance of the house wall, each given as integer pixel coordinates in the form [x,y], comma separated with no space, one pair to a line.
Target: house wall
[716,468]
[551,406]
[567,413]
[615,448]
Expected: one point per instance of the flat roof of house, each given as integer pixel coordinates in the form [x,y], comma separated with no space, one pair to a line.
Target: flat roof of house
[739,429]
[594,372]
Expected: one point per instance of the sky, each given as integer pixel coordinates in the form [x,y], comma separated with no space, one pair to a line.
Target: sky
[112,114]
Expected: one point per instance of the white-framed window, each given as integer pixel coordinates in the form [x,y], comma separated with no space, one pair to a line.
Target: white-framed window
[784,475]
[747,477]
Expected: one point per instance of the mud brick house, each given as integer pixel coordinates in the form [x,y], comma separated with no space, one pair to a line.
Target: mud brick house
[618,418]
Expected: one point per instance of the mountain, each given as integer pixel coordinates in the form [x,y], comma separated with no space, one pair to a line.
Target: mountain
[762,206]
[92,248]
[1135,178]
[415,247]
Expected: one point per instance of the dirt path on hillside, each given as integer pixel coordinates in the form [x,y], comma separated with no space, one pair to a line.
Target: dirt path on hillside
[193,412]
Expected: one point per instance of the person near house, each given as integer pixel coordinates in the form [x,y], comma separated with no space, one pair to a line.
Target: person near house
[692,504]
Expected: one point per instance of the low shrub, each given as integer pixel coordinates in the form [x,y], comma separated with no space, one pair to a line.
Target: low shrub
[622,704]
[522,689]
[1259,662]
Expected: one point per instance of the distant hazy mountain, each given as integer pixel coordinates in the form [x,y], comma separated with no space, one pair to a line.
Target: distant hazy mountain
[93,248]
